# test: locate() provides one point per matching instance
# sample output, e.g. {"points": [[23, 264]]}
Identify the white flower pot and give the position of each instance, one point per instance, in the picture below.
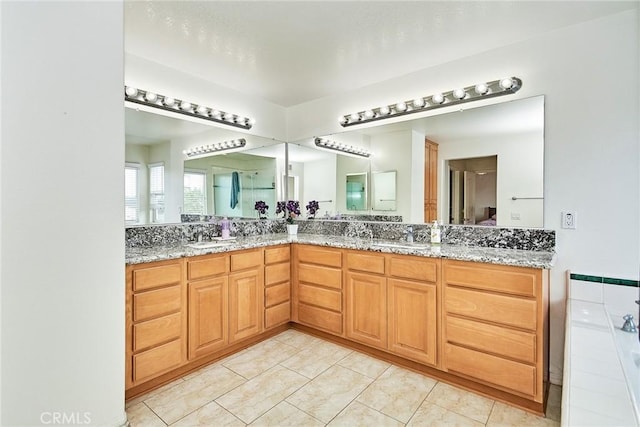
{"points": [[292, 228]]}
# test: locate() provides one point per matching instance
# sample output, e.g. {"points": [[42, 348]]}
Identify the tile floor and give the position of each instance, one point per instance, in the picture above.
{"points": [[294, 379]]}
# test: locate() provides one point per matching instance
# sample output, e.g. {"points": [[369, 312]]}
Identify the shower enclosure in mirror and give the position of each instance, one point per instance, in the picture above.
{"points": [[357, 192]]}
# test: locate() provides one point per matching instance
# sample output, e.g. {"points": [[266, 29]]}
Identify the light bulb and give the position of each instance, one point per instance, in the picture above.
{"points": [[481, 89], [228, 117], [438, 98], [418, 102], [131, 91], [169, 102], [401, 106], [459, 93], [354, 117], [151, 97], [251, 121], [202, 110], [185, 106], [506, 83], [216, 114], [368, 114], [384, 111]]}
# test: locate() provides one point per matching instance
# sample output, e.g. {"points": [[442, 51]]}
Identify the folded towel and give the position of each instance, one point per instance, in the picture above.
{"points": [[235, 189]]}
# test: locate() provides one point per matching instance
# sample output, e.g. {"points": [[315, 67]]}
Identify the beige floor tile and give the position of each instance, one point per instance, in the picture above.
{"points": [[329, 393], [503, 415], [209, 415], [461, 402], [296, 339], [140, 415], [260, 358], [358, 414], [261, 393], [145, 396], [366, 365], [397, 393], [286, 415], [316, 358], [184, 398], [429, 415]]}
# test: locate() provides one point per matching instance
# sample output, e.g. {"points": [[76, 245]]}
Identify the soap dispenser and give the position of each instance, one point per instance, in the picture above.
{"points": [[226, 228], [435, 233]]}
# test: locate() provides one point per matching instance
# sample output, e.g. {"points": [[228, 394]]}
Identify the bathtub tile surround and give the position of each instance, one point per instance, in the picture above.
{"points": [[352, 389], [601, 373], [485, 237]]}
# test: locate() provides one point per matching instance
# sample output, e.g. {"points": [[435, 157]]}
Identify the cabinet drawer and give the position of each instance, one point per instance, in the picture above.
{"points": [[277, 273], [365, 262], [279, 254], [206, 267], [246, 260], [425, 270], [492, 339], [319, 275], [277, 314], [321, 297], [153, 277], [156, 361], [154, 332], [510, 280], [156, 303], [320, 318], [490, 369], [320, 255], [277, 294], [508, 310]]}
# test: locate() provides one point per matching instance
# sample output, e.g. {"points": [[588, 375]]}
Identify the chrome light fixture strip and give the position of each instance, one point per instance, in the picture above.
{"points": [[506, 86], [186, 108], [343, 148], [214, 148]]}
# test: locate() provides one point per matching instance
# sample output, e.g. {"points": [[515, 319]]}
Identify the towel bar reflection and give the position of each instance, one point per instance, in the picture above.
{"points": [[526, 198]]}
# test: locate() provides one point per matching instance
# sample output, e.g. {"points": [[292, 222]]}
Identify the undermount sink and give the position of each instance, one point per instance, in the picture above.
{"points": [[206, 245], [402, 245]]}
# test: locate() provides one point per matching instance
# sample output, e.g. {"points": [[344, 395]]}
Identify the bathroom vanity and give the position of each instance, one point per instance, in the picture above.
{"points": [[475, 317]]}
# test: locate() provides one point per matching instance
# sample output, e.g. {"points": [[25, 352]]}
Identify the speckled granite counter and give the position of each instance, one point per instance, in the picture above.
{"points": [[515, 257]]}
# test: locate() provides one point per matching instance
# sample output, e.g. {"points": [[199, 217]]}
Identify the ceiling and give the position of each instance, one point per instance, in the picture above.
{"points": [[292, 52]]}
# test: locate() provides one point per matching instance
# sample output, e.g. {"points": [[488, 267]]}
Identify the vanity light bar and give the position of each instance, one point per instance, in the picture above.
{"points": [[506, 86], [338, 146], [214, 148], [174, 105]]}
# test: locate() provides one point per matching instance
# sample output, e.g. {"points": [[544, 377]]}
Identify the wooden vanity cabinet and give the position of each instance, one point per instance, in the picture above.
{"points": [[156, 324], [496, 325], [208, 308], [246, 294], [391, 303], [317, 287], [277, 285]]}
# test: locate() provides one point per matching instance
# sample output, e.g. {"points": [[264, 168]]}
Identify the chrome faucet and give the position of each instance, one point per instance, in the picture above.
{"points": [[629, 325], [409, 233]]}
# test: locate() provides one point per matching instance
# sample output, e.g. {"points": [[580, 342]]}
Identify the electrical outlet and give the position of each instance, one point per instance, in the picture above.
{"points": [[569, 220], [515, 216]]}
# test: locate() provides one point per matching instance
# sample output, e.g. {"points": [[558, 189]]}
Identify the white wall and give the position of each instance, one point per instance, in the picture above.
{"points": [[62, 217], [589, 76], [320, 185]]}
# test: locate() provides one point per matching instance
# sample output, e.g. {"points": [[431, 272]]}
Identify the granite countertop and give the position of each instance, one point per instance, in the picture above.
{"points": [[514, 257]]}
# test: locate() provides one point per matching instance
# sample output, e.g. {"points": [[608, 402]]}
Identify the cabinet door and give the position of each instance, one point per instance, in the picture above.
{"points": [[208, 313], [366, 313], [246, 304], [412, 320]]}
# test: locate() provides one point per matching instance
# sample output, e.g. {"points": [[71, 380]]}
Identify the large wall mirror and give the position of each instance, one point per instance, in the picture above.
{"points": [[486, 166], [162, 183]]}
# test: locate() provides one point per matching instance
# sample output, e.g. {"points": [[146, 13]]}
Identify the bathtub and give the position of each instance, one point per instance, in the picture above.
{"points": [[601, 378]]}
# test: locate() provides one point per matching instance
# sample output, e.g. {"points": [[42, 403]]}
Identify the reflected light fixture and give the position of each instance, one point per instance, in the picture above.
{"points": [[506, 86], [343, 148], [178, 106], [214, 148]]}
